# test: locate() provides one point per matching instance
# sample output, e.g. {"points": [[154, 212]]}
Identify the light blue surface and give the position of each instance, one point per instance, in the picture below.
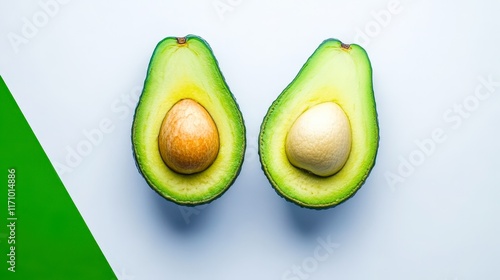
{"points": [[84, 62]]}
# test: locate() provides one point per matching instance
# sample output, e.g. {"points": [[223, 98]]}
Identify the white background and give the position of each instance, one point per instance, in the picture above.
{"points": [[83, 62]]}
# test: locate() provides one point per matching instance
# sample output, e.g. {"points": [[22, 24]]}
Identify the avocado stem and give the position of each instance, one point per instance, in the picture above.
{"points": [[345, 46], [181, 40]]}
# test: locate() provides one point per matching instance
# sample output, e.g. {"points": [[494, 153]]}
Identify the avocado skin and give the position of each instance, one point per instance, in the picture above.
{"points": [[239, 120], [275, 106]]}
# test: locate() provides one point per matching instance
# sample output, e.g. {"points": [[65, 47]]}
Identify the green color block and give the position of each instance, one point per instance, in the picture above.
{"points": [[51, 238]]}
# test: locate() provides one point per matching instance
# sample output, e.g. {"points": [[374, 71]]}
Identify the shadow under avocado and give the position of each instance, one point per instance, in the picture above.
{"points": [[312, 222], [182, 219]]}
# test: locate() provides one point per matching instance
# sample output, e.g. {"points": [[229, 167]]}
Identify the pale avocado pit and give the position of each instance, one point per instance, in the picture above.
{"points": [[188, 138], [319, 141]]}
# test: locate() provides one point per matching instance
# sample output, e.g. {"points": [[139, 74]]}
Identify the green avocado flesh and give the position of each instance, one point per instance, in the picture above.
{"points": [[185, 68], [335, 72]]}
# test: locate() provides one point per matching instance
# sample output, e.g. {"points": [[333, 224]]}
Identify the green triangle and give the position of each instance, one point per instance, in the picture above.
{"points": [[51, 238]]}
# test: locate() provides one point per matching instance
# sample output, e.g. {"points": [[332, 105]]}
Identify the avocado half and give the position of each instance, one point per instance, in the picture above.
{"points": [[338, 73], [185, 68]]}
